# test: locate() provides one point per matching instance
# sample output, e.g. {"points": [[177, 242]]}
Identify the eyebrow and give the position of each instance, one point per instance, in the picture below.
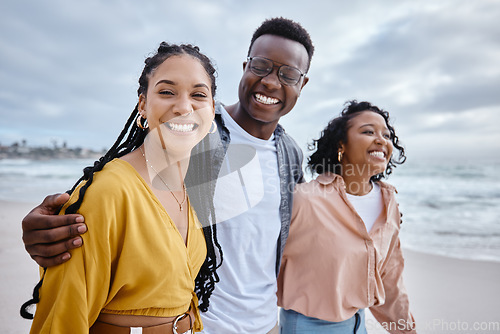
{"points": [[169, 82], [201, 85], [369, 124], [373, 125]]}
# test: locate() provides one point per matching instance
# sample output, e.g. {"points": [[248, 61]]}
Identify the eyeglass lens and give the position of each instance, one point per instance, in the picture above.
{"points": [[287, 75]]}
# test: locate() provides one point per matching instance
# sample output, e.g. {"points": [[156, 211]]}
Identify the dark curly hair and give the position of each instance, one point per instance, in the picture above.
{"points": [[130, 138], [286, 28], [325, 158]]}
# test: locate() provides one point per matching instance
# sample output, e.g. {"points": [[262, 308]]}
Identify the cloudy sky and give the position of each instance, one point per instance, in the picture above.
{"points": [[69, 69]]}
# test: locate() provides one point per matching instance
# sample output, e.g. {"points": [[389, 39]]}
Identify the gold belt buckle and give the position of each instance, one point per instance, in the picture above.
{"points": [[179, 318]]}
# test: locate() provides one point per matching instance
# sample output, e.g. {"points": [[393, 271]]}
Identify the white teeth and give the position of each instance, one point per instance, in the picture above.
{"points": [[378, 154], [266, 100], [181, 127]]}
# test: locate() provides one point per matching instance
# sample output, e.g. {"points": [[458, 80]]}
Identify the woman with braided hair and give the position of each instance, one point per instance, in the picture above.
{"points": [[145, 259]]}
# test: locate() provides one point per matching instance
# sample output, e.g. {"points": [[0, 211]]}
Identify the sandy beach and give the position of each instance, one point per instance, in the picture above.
{"points": [[450, 295], [446, 295], [19, 273]]}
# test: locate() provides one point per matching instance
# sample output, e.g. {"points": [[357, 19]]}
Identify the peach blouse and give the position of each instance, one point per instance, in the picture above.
{"points": [[332, 266]]}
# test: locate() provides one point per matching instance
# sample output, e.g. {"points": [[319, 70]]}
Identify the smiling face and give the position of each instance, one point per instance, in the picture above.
{"points": [[263, 100], [369, 146], [178, 104]]}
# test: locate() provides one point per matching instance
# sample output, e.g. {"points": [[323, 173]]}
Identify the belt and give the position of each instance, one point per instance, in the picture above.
{"points": [[179, 325]]}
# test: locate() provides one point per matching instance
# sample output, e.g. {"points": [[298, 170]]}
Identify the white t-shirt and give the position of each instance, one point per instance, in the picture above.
{"points": [[247, 199], [368, 206]]}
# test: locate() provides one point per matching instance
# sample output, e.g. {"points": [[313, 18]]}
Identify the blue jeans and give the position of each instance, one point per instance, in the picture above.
{"points": [[292, 322]]}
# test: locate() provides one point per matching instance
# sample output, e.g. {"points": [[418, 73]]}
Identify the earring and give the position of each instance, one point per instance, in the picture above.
{"points": [[139, 122], [339, 156], [214, 125]]}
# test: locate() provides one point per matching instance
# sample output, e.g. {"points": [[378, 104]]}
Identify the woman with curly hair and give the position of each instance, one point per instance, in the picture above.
{"points": [[146, 258], [343, 253]]}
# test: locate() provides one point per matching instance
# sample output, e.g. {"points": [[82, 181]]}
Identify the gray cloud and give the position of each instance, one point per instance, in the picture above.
{"points": [[434, 68], [69, 69]]}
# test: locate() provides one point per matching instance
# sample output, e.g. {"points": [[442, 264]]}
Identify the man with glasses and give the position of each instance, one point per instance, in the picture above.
{"points": [[252, 202]]}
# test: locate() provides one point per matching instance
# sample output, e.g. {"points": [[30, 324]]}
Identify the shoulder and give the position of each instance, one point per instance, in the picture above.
{"points": [[288, 140], [116, 174], [317, 197], [387, 188], [389, 192], [112, 183], [325, 185], [303, 198], [288, 145]]}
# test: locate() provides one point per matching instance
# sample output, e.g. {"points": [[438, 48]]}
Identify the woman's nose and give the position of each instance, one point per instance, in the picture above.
{"points": [[380, 139], [183, 107]]}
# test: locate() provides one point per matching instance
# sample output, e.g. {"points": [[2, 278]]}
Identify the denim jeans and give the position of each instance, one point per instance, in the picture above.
{"points": [[292, 322]]}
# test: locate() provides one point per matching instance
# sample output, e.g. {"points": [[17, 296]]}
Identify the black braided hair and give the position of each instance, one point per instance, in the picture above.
{"points": [[200, 183], [207, 277], [325, 158]]}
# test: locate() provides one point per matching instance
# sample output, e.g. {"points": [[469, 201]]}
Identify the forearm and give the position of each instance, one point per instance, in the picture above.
{"points": [[394, 315]]}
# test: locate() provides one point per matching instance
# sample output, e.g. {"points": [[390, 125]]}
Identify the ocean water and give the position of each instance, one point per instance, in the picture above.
{"points": [[449, 208], [31, 180]]}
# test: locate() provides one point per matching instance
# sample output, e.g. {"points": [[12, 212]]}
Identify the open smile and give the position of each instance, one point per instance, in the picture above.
{"points": [[266, 99], [182, 127], [378, 154]]}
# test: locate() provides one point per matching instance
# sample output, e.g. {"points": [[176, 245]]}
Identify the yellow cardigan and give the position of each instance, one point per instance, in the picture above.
{"points": [[133, 259]]}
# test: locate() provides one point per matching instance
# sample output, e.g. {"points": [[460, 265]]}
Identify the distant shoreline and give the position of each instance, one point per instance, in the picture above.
{"points": [[56, 157], [22, 151]]}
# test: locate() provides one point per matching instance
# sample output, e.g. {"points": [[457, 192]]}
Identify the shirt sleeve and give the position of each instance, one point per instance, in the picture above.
{"points": [[394, 315], [73, 294]]}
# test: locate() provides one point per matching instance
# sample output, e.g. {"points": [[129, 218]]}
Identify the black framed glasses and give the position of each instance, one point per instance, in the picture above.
{"points": [[262, 67]]}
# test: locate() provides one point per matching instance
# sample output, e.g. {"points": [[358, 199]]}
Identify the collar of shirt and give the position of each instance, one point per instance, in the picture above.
{"points": [[331, 178]]}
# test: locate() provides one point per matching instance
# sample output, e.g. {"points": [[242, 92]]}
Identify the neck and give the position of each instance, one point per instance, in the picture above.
{"points": [[357, 185], [162, 168], [257, 129]]}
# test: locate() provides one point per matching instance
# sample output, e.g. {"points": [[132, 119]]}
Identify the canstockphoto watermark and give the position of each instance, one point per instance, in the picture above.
{"points": [[400, 325], [453, 326], [436, 326]]}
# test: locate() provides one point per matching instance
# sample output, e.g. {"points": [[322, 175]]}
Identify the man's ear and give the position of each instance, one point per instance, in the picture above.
{"points": [[244, 65], [306, 80]]}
